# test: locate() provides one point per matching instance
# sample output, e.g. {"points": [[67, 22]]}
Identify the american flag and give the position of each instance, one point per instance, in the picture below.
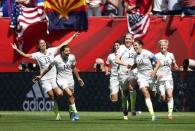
{"points": [[22, 17], [138, 24]]}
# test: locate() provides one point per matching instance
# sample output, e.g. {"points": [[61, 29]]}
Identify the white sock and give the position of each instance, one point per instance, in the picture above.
{"points": [[149, 105], [170, 105], [73, 108]]}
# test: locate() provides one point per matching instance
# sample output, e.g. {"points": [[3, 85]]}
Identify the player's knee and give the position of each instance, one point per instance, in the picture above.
{"points": [[114, 99]]}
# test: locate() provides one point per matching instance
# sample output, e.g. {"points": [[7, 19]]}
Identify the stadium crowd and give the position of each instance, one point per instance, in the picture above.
{"points": [[119, 7]]}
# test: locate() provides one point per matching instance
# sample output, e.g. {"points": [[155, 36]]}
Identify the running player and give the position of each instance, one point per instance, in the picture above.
{"points": [[146, 72], [65, 65], [125, 56], [44, 57], [112, 69], [164, 75]]}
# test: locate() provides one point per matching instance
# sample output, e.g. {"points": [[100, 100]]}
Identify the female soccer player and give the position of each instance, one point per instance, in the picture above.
{"points": [[65, 65], [112, 69], [44, 57], [164, 75], [146, 72], [125, 56]]}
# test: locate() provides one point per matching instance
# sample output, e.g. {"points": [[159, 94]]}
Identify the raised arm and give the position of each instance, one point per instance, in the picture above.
{"points": [[69, 40], [21, 52]]}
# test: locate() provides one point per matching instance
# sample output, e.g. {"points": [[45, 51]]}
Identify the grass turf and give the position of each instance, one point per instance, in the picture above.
{"points": [[95, 121]]}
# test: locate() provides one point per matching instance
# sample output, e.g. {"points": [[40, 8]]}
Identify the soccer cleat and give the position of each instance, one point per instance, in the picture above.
{"points": [[153, 118], [58, 117], [72, 114], [125, 117], [76, 116]]}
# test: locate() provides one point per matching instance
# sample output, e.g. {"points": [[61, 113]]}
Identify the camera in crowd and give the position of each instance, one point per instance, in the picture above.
{"points": [[189, 65]]}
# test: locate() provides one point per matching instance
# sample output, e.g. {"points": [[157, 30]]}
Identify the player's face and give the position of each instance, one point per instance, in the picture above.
{"points": [[137, 47], [163, 47], [66, 52], [116, 46], [128, 40], [42, 45]]}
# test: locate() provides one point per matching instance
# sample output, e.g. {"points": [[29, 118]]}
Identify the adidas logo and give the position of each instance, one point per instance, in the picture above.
{"points": [[36, 99]]}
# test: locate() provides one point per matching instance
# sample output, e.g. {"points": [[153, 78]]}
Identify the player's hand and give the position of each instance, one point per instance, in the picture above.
{"points": [[14, 46], [36, 79], [153, 73], [107, 73], [76, 34], [81, 83]]}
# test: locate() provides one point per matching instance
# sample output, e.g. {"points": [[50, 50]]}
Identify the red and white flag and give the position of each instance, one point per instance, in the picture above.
{"points": [[138, 24], [22, 17]]}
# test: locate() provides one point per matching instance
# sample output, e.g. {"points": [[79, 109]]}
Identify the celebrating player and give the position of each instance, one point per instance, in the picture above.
{"points": [[65, 65], [125, 56], [146, 73], [44, 57], [164, 75]]}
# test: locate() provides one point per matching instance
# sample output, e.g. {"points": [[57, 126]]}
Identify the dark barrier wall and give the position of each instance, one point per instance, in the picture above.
{"points": [[17, 92]]}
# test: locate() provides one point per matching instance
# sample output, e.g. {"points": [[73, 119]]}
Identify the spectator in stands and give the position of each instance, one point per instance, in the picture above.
{"points": [[99, 65], [1, 9], [110, 8], [188, 7], [174, 7], [93, 7], [44, 57], [160, 8]]}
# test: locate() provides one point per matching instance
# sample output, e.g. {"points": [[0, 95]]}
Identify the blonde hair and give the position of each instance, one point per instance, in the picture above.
{"points": [[163, 42]]}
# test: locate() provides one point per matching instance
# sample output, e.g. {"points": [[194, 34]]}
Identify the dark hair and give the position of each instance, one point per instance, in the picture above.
{"points": [[47, 44], [63, 47], [140, 42], [113, 48]]}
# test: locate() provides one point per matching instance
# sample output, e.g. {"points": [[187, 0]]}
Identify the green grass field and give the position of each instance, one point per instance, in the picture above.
{"points": [[95, 121]]}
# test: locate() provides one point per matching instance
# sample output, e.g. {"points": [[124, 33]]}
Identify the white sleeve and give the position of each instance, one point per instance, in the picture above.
{"points": [[53, 50], [120, 50], [173, 58], [73, 60], [34, 56]]}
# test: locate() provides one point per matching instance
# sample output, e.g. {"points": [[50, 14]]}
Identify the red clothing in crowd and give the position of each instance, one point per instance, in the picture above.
{"points": [[188, 3]]}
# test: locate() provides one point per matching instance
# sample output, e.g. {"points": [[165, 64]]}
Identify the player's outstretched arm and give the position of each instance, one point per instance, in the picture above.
{"points": [[21, 52], [69, 40]]}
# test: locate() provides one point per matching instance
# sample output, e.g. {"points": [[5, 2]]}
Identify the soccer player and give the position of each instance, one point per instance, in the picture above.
{"points": [[146, 72], [125, 56], [44, 57], [65, 65], [111, 68], [164, 75]]}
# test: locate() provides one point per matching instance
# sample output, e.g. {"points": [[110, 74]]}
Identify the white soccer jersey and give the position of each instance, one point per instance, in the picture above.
{"points": [[143, 60], [144, 67], [111, 61], [127, 56], [164, 72], [44, 61], [64, 68]]}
